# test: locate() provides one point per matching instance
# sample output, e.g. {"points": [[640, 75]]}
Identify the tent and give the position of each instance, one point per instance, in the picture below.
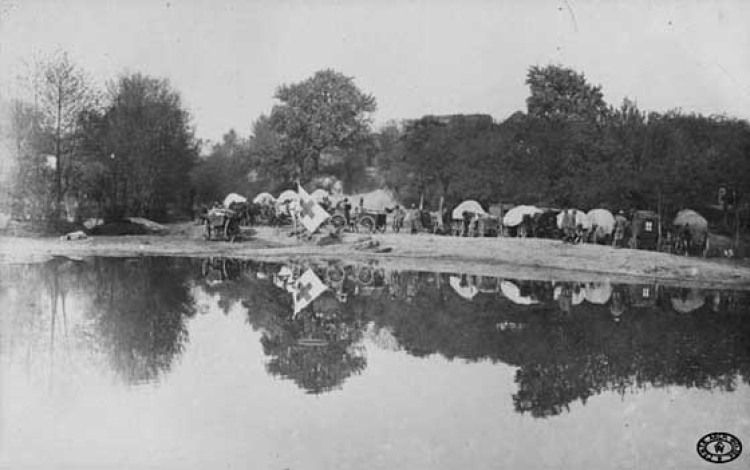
{"points": [[697, 223], [513, 293], [515, 216], [234, 198], [467, 206], [690, 217], [374, 200], [290, 197], [598, 292], [580, 216], [604, 221], [577, 297], [319, 194], [287, 195], [264, 198], [467, 291], [692, 300]]}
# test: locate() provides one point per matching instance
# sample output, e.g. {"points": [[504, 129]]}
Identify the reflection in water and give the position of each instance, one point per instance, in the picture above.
{"points": [[568, 341], [132, 311], [139, 310]]}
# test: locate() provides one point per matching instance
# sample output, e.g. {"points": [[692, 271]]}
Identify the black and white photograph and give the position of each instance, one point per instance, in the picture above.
{"points": [[374, 235]]}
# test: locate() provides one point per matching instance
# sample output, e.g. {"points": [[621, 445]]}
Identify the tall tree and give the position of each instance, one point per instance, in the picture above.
{"points": [[560, 92], [322, 112], [442, 151], [145, 142], [31, 176], [65, 92]]}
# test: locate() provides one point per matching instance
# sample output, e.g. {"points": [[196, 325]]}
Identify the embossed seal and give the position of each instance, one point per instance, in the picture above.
{"points": [[719, 447]]}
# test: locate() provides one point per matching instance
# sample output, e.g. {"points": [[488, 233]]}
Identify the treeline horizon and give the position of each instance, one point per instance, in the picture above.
{"points": [[131, 149]]}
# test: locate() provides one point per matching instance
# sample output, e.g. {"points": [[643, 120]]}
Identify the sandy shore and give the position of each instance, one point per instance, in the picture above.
{"points": [[501, 257]]}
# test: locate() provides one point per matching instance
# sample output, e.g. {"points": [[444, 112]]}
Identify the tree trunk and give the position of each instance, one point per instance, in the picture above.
{"points": [[58, 155]]}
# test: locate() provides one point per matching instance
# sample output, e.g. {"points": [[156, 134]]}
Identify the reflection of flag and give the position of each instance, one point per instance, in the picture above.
{"points": [[306, 289], [310, 213]]}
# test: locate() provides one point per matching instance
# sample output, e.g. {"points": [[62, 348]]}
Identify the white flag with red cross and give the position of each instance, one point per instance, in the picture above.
{"points": [[307, 288], [310, 213]]}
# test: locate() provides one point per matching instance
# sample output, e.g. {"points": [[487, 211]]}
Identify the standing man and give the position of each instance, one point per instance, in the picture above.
{"points": [[619, 232], [348, 212], [568, 226]]}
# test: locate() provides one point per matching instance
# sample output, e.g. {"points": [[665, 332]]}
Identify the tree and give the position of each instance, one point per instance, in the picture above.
{"points": [[565, 115], [560, 92], [224, 171], [270, 168], [444, 152], [31, 188], [64, 94], [145, 141], [322, 112]]}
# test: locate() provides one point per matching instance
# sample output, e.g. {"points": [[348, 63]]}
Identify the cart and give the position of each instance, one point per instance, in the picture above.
{"points": [[221, 224], [368, 221], [644, 231]]}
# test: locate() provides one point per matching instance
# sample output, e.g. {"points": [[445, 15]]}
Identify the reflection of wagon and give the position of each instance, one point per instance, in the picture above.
{"points": [[644, 231], [545, 224], [221, 224], [643, 295]]}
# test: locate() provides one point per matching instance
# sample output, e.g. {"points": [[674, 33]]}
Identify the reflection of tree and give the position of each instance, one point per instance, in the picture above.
{"points": [[318, 350], [139, 311], [569, 358]]}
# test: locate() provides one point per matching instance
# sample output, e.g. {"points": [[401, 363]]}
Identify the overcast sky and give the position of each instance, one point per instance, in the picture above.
{"points": [[416, 57]]}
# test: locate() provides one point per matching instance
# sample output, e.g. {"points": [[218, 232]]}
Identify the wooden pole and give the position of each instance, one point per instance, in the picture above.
{"points": [[736, 224], [658, 237], [440, 214]]}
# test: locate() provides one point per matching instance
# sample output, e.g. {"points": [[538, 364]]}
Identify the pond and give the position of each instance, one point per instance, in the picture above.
{"points": [[203, 363]]}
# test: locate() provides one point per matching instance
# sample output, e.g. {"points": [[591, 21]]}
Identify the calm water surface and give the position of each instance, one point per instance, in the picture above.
{"points": [[177, 363]]}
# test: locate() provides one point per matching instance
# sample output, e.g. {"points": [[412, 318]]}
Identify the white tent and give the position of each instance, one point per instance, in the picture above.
{"points": [[603, 219], [374, 200], [512, 292], [687, 303], [467, 292], [515, 216], [319, 195], [580, 217], [468, 206], [290, 197], [577, 297], [287, 195], [234, 197], [599, 292], [264, 198]]}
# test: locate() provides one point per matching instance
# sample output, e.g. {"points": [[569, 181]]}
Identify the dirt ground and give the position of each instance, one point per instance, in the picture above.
{"points": [[501, 257]]}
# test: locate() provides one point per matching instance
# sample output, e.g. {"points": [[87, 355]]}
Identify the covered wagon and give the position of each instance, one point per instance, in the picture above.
{"points": [[470, 219]]}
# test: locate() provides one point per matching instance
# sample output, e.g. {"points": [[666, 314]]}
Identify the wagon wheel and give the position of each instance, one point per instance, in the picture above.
{"points": [[338, 221], [335, 273], [365, 275], [367, 223], [207, 230]]}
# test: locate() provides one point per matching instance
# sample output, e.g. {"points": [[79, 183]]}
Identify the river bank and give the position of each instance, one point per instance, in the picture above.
{"points": [[501, 257]]}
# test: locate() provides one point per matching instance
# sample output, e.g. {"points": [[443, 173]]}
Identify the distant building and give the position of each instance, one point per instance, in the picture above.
{"points": [[450, 118]]}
